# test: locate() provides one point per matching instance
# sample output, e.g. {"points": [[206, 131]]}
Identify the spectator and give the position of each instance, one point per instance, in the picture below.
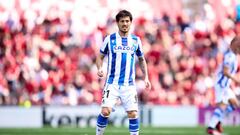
{"points": [[47, 55]]}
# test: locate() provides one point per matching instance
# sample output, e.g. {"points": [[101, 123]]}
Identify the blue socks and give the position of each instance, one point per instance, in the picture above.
{"points": [[134, 126], [217, 116], [229, 109], [101, 124], [102, 121], [218, 112]]}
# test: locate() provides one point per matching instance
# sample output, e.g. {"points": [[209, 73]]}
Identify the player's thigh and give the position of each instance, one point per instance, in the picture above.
{"points": [[232, 97], [110, 95], [221, 94], [129, 98]]}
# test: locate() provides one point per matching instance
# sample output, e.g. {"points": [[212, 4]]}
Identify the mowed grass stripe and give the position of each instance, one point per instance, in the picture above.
{"points": [[108, 132], [114, 131]]}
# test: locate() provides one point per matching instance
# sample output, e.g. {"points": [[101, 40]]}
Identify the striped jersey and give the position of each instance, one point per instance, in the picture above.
{"points": [[121, 58], [230, 61]]}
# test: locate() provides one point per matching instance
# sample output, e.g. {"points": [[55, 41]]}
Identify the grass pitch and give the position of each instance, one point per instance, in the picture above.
{"points": [[114, 131]]}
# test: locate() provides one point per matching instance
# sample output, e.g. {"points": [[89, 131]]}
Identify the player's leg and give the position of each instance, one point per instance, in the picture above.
{"points": [[218, 113], [233, 102], [217, 117], [102, 120], [130, 103], [133, 122], [109, 99], [228, 104]]}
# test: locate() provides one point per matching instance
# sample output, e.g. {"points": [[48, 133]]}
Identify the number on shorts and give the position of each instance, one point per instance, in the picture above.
{"points": [[106, 92]]}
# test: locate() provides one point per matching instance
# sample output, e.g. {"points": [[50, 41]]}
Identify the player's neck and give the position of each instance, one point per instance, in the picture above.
{"points": [[123, 34]]}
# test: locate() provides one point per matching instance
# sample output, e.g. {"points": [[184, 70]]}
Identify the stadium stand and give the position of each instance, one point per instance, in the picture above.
{"points": [[48, 50]]}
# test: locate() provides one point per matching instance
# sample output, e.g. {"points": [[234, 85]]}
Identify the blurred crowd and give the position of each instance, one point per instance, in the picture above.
{"points": [[47, 54]]}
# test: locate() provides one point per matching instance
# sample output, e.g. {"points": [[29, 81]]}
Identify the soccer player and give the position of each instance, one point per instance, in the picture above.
{"points": [[225, 98], [121, 47]]}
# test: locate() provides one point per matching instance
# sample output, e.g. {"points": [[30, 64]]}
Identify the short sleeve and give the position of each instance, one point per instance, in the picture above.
{"points": [[228, 60], [104, 47], [139, 51]]}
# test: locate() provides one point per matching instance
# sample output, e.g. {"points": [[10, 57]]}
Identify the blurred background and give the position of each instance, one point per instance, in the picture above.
{"points": [[48, 49]]}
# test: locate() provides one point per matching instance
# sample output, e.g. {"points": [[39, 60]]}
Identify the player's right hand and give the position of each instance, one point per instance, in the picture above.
{"points": [[100, 72]]}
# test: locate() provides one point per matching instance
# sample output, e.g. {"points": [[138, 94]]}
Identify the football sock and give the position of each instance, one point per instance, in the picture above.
{"points": [[217, 116], [134, 126], [102, 122], [229, 109]]}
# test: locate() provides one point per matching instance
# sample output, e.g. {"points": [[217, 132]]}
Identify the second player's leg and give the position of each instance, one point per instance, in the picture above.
{"points": [[234, 102]]}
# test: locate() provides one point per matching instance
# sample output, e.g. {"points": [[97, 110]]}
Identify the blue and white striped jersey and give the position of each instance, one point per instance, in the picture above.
{"points": [[121, 58], [230, 61]]}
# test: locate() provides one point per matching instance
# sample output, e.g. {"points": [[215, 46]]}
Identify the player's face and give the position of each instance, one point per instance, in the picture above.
{"points": [[236, 48], [124, 24]]}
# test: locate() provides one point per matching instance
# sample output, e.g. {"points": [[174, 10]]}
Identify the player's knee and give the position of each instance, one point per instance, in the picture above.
{"points": [[222, 105], [234, 103], [132, 114], [105, 112]]}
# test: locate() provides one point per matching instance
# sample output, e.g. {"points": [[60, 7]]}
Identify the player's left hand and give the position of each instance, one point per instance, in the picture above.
{"points": [[147, 83]]}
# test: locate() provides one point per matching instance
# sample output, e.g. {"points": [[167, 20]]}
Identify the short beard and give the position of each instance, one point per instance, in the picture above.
{"points": [[124, 32]]}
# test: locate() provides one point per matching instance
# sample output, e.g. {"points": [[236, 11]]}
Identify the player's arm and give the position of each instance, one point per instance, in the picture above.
{"points": [[100, 57], [99, 63], [143, 66], [226, 73]]}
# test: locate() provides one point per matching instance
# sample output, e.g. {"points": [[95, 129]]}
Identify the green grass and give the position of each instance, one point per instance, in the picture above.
{"points": [[113, 131]]}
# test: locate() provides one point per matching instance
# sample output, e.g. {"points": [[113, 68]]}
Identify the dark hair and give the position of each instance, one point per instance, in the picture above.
{"points": [[123, 13], [235, 40]]}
